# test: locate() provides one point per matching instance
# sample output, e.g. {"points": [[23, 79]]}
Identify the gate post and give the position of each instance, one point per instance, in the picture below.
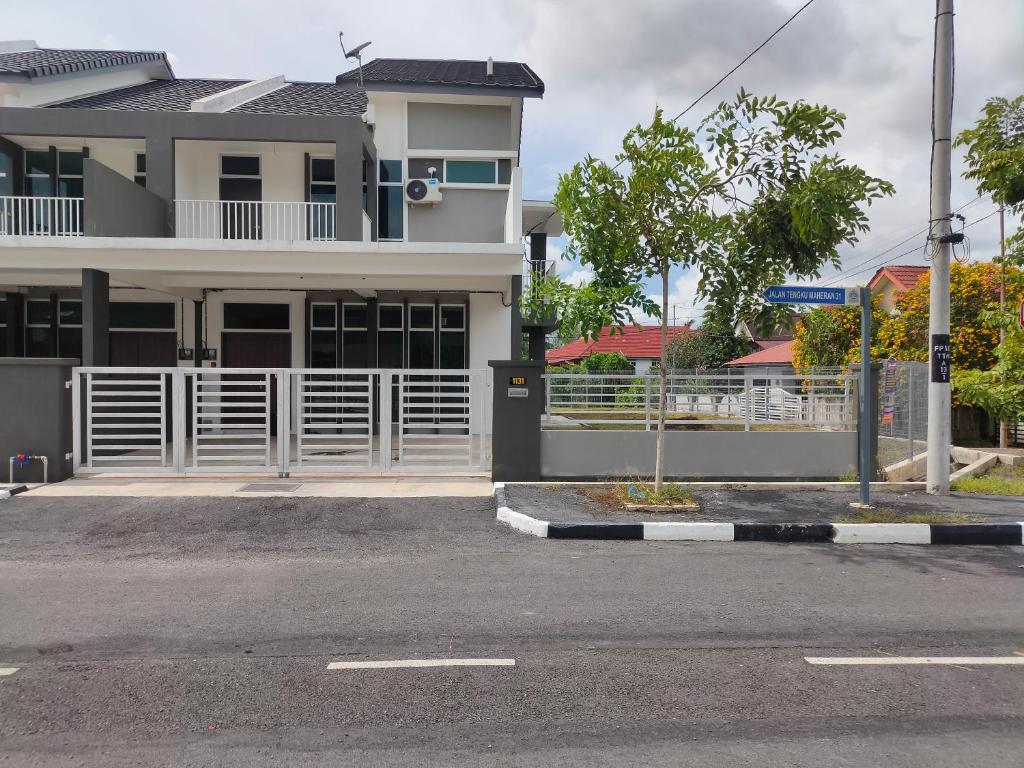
{"points": [[518, 403]]}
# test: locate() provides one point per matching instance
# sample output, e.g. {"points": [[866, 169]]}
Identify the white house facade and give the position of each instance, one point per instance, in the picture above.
{"points": [[150, 220]]}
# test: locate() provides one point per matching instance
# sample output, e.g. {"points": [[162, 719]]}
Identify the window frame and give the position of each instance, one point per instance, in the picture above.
{"points": [[220, 166], [140, 174], [400, 184]]}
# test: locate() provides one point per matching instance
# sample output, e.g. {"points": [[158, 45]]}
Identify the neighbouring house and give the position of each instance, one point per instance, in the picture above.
{"points": [[640, 345], [780, 334], [890, 281], [770, 364]]}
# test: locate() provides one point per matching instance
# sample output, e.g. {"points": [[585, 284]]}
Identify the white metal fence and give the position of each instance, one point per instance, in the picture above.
{"points": [[278, 420], [41, 216], [822, 399], [254, 220]]}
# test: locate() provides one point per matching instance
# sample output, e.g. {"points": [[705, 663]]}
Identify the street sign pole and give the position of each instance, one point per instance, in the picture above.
{"points": [[864, 420], [803, 294]]}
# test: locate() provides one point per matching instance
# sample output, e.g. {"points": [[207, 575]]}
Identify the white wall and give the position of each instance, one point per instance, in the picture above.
{"points": [[296, 300], [197, 167], [34, 94], [490, 333], [118, 154]]}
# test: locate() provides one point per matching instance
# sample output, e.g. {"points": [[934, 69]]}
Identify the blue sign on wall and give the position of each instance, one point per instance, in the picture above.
{"points": [[806, 294]]}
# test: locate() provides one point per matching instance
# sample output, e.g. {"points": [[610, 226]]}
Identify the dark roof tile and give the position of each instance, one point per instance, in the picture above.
{"points": [[154, 96], [447, 72], [41, 62], [307, 99]]}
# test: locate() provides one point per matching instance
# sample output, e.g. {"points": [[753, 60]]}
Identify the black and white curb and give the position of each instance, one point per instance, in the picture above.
{"points": [[816, 533], [14, 490]]}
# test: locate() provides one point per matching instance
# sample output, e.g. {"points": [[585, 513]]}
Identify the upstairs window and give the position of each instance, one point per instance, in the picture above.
{"points": [[140, 168], [390, 201], [471, 172]]}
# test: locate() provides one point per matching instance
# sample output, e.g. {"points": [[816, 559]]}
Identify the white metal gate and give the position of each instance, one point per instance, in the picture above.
{"points": [[284, 420]]}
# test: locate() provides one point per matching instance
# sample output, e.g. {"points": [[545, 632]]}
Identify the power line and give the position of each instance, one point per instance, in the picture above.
{"points": [[847, 272], [720, 80], [915, 249], [745, 59]]}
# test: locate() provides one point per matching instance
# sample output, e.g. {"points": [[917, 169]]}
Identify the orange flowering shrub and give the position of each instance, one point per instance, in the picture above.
{"points": [[973, 289]]}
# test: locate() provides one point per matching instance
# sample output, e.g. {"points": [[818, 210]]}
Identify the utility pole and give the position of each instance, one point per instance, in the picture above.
{"points": [[939, 246]]}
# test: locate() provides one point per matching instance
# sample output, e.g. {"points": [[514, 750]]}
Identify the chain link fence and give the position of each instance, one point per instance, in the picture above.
{"points": [[902, 411]]}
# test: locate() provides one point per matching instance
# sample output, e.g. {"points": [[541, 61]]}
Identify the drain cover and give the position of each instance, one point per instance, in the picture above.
{"points": [[270, 487]]}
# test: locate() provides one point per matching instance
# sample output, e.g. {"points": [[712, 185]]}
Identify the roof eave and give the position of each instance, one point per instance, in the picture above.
{"points": [[438, 88]]}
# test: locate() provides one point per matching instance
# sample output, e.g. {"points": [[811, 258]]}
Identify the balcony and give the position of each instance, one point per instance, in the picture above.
{"points": [[255, 220], [41, 216]]}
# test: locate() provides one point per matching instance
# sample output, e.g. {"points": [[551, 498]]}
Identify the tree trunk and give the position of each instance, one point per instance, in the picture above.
{"points": [[659, 465]]}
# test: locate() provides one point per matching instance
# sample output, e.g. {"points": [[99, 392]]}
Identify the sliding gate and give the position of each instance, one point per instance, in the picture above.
{"points": [[283, 420]]}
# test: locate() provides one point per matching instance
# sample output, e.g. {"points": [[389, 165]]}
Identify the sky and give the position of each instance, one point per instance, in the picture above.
{"points": [[606, 64]]}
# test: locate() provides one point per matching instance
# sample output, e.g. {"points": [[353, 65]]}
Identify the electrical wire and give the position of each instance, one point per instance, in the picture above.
{"points": [[720, 80]]}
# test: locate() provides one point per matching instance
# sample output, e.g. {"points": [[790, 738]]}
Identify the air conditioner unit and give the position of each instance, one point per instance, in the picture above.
{"points": [[422, 192]]}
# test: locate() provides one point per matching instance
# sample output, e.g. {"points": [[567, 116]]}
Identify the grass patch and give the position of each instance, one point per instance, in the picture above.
{"points": [[643, 493], [890, 515], [1001, 480]]}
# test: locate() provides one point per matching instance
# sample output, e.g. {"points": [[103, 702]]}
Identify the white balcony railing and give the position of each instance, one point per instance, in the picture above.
{"points": [[535, 270], [42, 216], [259, 220]]}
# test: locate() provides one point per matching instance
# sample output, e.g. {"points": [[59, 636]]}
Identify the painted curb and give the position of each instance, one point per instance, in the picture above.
{"points": [[999, 534], [14, 490]]}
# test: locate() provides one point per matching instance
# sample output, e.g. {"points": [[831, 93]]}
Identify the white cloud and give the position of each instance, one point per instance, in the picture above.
{"points": [[579, 277]]}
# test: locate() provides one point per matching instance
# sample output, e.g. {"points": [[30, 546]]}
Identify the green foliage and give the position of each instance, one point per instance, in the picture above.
{"points": [[1000, 390], [995, 152], [829, 337], [764, 202], [606, 362], [756, 199], [711, 346]]}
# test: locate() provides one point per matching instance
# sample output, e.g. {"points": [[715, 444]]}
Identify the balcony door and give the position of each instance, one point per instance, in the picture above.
{"points": [[241, 190]]}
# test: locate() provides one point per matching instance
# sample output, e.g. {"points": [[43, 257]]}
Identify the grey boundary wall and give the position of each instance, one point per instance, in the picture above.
{"points": [[992, 534], [35, 417], [706, 454]]}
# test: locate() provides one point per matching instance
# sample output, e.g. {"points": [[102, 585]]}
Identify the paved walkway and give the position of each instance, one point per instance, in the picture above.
{"points": [[255, 486]]}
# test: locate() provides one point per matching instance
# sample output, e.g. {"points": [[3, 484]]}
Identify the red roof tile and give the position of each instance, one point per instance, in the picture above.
{"points": [[903, 276], [778, 354], [643, 343]]}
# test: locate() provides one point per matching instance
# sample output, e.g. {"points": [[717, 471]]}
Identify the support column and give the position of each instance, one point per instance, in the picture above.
{"points": [[95, 317], [160, 173], [516, 292], [348, 181], [15, 329]]}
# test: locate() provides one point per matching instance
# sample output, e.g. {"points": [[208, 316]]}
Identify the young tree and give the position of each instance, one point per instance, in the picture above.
{"points": [[995, 161], [765, 200], [710, 346]]}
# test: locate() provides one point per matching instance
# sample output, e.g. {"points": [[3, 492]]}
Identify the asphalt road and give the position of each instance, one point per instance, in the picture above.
{"points": [[197, 632]]}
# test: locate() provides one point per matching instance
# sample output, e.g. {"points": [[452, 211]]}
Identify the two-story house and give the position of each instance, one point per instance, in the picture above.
{"points": [[151, 220]]}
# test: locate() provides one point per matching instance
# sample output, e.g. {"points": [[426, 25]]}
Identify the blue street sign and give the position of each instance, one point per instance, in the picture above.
{"points": [[808, 294]]}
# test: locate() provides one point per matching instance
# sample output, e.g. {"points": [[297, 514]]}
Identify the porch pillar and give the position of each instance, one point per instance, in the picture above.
{"points": [[15, 330], [348, 180], [95, 317], [160, 173], [516, 292]]}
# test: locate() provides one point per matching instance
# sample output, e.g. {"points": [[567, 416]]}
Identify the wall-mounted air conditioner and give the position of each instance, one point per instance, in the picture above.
{"points": [[422, 192]]}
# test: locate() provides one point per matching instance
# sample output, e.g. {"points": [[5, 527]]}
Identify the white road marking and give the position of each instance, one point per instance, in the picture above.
{"points": [[8, 670], [892, 660], [411, 663]]}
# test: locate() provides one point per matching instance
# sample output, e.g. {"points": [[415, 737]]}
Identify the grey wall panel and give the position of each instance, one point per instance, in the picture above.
{"points": [[462, 216], [37, 419], [118, 207], [711, 455], [459, 126]]}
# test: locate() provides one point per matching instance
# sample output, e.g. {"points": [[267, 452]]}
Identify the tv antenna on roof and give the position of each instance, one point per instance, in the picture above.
{"points": [[356, 53]]}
